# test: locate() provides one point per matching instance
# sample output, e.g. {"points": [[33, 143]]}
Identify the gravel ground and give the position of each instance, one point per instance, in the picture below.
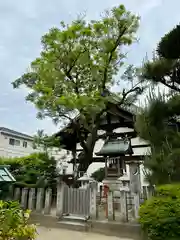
{"points": [[59, 234]]}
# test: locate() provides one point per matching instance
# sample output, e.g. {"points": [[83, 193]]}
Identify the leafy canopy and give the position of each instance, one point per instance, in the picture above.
{"points": [[37, 169], [165, 66], [78, 65]]}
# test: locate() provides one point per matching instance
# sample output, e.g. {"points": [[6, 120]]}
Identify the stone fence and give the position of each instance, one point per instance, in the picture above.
{"points": [[81, 202]]}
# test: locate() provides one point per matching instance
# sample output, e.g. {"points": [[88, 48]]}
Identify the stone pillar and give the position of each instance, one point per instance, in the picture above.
{"points": [[32, 198], [40, 200], [93, 193], [136, 205], [60, 198], [48, 201], [110, 206], [17, 193], [135, 181], [24, 198], [123, 203], [135, 185]]}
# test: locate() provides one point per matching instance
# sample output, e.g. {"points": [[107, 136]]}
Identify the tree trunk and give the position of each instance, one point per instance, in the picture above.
{"points": [[86, 157]]}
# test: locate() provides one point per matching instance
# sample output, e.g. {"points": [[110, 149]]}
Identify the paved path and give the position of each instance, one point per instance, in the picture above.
{"points": [[59, 234]]}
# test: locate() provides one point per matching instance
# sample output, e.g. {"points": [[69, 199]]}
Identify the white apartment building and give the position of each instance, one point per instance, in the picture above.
{"points": [[17, 144]]}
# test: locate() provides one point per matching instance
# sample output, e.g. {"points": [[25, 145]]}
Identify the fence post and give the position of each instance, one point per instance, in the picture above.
{"points": [[60, 198], [110, 206], [48, 199], [17, 193], [123, 202], [40, 200], [31, 201], [24, 198], [93, 207]]}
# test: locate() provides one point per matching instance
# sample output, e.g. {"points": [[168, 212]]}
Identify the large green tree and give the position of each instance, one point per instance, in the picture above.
{"points": [[159, 121], [35, 170], [76, 70]]}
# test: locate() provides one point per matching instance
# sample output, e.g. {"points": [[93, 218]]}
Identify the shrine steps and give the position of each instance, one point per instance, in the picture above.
{"points": [[74, 222]]}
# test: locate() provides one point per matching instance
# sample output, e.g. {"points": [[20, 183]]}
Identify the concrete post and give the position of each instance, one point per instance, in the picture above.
{"points": [[123, 202], [24, 198], [17, 193], [40, 200], [60, 198], [136, 205], [110, 206], [31, 201], [48, 200], [93, 193]]}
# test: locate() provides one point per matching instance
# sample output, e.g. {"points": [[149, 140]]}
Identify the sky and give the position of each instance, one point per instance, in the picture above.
{"points": [[22, 23]]}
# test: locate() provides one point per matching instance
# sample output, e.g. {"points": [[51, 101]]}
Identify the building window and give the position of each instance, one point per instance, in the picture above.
{"points": [[25, 144], [14, 142]]}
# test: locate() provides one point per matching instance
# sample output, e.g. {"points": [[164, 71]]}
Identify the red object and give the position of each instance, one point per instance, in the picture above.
{"points": [[106, 190]]}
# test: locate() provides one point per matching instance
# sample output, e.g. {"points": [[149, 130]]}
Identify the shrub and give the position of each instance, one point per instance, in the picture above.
{"points": [[160, 215], [35, 170], [171, 190], [14, 222]]}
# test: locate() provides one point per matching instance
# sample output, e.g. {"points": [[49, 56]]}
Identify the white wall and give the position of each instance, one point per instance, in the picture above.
{"points": [[7, 150]]}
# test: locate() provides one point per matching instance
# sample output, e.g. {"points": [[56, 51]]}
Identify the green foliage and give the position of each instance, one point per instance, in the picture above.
{"points": [[76, 70], [164, 67], [14, 222], [46, 142], [99, 175], [168, 190], [77, 63], [169, 46], [157, 124], [35, 170], [160, 215]]}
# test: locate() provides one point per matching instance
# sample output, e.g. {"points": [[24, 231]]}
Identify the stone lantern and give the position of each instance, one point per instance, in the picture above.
{"points": [[85, 180]]}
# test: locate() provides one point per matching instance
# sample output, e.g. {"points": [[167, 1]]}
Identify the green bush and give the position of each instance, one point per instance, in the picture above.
{"points": [[35, 170], [171, 190], [160, 215], [14, 222]]}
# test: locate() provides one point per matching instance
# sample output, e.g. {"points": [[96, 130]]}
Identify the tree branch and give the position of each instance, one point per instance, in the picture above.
{"points": [[110, 58], [173, 87], [67, 72]]}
